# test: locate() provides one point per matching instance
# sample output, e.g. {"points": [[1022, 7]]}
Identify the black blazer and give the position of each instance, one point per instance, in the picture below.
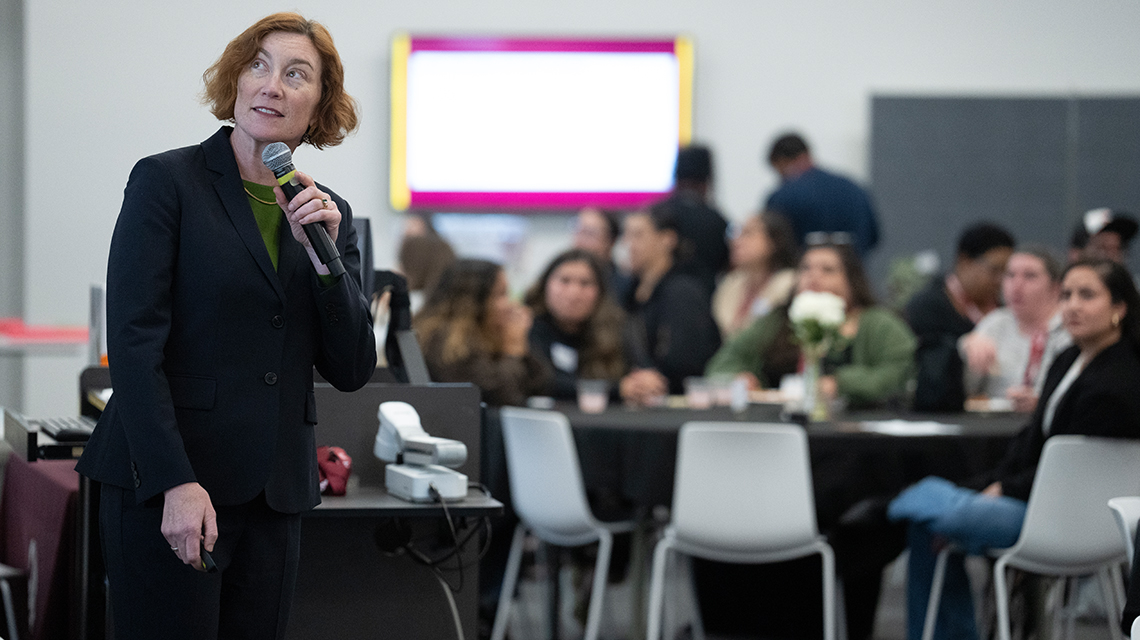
{"points": [[211, 351], [1103, 401]]}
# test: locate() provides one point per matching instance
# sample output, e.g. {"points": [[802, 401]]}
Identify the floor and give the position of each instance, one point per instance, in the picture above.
{"points": [[528, 621]]}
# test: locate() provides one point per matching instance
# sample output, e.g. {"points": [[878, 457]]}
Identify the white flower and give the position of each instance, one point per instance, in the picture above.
{"points": [[825, 308]]}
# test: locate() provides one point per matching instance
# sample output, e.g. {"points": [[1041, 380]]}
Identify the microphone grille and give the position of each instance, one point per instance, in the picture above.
{"points": [[276, 156]]}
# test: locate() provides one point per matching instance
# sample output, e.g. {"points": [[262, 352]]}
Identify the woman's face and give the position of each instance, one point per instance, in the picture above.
{"points": [[821, 270], [572, 293], [278, 93], [499, 305], [646, 244], [592, 234], [751, 247], [1087, 308], [1026, 286]]}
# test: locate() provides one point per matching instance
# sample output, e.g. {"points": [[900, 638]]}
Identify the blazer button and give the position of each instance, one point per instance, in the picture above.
{"points": [[330, 307], [271, 378], [278, 322]]}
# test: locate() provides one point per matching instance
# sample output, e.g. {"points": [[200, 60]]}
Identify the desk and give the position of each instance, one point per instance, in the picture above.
{"points": [[347, 588]]}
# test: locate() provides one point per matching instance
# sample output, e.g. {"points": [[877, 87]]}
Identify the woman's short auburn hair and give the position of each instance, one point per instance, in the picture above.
{"points": [[336, 111]]}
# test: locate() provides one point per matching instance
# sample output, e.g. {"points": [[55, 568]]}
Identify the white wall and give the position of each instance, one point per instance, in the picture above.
{"points": [[107, 83]]}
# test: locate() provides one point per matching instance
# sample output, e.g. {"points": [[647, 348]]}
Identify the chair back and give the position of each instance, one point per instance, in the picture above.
{"points": [[743, 487], [1126, 509], [545, 478], [1066, 525]]}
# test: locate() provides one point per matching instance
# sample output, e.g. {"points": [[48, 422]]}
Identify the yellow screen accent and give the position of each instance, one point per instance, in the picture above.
{"points": [[684, 50], [400, 195]]}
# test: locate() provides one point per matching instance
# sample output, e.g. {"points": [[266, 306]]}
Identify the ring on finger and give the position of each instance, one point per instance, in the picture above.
{"points": [[324, 203], [174, 548]]}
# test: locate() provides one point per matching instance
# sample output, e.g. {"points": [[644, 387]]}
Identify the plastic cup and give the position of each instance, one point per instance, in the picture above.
{"points": [[593, 395], [698, 394]]}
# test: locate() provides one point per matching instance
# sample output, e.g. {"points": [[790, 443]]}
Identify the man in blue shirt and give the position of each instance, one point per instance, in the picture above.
{"points": [[815, 200]]}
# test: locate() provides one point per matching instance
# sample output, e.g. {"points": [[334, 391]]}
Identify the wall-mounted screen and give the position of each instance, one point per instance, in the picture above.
{"points": [[536, 124]]}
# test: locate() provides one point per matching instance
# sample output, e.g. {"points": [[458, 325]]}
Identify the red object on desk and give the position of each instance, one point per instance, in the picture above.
{"points": [[14, 330], [37, 521]]}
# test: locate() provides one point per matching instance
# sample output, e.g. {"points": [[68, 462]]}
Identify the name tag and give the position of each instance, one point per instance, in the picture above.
{"points": [[565, 358]]}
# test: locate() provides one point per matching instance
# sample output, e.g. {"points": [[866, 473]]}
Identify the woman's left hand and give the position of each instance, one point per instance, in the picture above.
{"points": [[311, 205]]}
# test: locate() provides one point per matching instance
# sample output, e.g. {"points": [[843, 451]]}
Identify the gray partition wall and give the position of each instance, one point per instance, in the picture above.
{"points": [[1033, 165]]}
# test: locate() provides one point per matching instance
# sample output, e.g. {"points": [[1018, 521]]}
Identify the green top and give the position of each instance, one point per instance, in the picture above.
{"points": [[268, 216], [882, 355]]}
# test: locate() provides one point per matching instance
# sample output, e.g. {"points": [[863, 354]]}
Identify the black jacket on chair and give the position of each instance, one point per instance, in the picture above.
{"points": [[211, 351]]}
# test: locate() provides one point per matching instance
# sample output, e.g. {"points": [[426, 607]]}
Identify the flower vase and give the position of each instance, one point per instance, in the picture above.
{"points": [[814, 405]]}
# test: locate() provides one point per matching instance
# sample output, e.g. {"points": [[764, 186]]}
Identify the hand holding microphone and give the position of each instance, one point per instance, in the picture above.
{"points": [[314, 211]]}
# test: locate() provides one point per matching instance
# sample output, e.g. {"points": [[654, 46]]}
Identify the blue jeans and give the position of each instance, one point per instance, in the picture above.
{"points": [[941, 512]]}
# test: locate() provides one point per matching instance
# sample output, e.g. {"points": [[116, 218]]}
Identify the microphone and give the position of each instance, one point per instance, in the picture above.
{"points": [[278, 159]]}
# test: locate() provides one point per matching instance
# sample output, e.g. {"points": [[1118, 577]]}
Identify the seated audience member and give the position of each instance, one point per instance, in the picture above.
{"points": [[1103, 233], [422, 260], [763, 273], [1089, 390], [597, 231], [698, 222], [471, 331], [1010, 350], [868, 368], [949, 307], [580, 332], [669, 310]]}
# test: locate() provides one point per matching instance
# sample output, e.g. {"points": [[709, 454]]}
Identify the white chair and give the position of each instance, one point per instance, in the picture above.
{"points": [[743, 494], [1067, 531], [1126, 509], [548, 495]]}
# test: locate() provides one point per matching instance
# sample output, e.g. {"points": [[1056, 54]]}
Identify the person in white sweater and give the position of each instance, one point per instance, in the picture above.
{"points": [[1011, 348]]}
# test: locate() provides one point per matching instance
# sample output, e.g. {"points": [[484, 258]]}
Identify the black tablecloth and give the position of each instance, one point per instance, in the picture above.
{"points": [[628, 458], [630, 454]]}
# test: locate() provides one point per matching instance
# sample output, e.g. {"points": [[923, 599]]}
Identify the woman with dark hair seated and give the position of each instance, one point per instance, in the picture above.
{"points": [[580, 332], [471, 331], [868, 368], [1089, 390], [763, 254], [669, 309]]}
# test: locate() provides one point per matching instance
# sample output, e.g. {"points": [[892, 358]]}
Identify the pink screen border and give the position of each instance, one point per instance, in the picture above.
{"points": [[534, 201]]}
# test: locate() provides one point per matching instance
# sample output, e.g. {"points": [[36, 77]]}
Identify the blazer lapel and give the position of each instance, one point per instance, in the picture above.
{"points": [[289, 253], [220, 158]]}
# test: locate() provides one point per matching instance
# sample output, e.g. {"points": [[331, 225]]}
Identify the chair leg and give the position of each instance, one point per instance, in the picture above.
{"points": [[935, 599], [1111, 605], [1001, 599], [598, 590], [828, 592], [9, 609], [689, 580], [510, 577], [1118, 587], [657, 589]]}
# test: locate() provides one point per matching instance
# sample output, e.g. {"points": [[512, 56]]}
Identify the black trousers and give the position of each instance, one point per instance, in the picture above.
{"points": [[154, 595]]}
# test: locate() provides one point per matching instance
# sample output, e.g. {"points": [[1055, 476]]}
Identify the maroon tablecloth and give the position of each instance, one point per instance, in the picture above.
{"points": [[37, 514]]}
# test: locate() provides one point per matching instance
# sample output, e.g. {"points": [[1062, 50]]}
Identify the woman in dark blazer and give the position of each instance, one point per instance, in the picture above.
{"points": [[1090, 390], [217, 312]]}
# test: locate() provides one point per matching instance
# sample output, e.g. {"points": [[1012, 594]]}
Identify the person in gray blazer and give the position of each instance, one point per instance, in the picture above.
{"points": [[218, 310]]}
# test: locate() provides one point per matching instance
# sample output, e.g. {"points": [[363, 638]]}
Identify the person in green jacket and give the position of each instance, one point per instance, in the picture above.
{"points": [[868, 368]]}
